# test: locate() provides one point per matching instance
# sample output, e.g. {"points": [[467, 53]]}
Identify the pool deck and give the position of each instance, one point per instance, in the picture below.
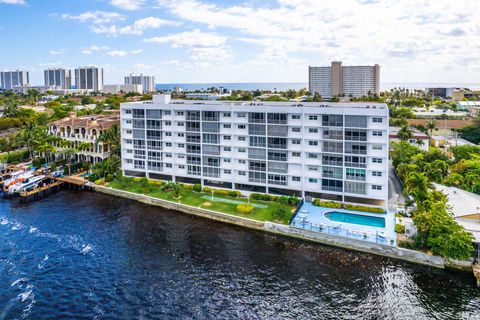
{"points": [[313, 218]]}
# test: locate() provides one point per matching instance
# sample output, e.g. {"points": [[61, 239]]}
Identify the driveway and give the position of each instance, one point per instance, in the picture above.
{"points": [[395, 189]]}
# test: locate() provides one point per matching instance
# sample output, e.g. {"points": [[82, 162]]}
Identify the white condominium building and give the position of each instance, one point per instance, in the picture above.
{"points": [[58, 77], [147, 82], [11, 79], [338, 80], [336, 151], [89, 78]]}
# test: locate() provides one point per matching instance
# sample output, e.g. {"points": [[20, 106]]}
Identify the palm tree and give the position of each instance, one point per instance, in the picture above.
{"points": [[176, 189], [405, 133], [29, 136], [419, 142], [68, 153], [46, 149], [417, 185], [112, 137], [431, 125]]}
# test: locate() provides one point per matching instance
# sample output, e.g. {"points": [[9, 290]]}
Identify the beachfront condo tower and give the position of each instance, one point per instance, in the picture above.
{"points": [[147, 82], [11, 79], [58, 77], [348, 81], [89, 78], [336, 151]]}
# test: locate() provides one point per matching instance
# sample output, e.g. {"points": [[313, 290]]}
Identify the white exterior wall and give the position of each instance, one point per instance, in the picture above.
{"points": [[304, 159], [320, 81], [147, 82], [358, 80], [10, 79]]}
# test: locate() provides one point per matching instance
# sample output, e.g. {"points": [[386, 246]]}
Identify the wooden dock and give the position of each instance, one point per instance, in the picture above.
{"points": [[40, 191]]}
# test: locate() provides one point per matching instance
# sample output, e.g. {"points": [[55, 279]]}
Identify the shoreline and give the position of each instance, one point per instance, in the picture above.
{"points": [[407, 255]]}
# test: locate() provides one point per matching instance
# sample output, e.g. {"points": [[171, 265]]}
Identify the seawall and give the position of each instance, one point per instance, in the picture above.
{"points": [[287, 231]]}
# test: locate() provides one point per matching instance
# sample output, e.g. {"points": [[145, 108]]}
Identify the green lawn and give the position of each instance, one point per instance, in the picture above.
{"points": [[191, 198]]}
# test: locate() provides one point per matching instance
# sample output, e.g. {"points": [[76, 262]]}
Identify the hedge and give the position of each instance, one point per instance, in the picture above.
{"points": [[339, 205], [246, 208], [222, 193], [287, 200]]}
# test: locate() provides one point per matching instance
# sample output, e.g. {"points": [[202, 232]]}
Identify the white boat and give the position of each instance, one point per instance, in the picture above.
{"points": [[17, 177], [27, 184]]}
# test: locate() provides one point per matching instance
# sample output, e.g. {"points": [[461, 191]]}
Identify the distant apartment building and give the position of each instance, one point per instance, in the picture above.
{"points": [[147, 82], [11, 79], [338, 80], [89, 78], [125, 88], [85, 129], [40, 89], [58, 77], [336, 151]]}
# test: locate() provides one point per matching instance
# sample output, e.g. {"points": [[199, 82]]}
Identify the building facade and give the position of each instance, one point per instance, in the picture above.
{"points": [[85, 129], [335, 151], [11, 79], [147, 82], [58, 77], [89, 78], [338, 80], [125, 88]]}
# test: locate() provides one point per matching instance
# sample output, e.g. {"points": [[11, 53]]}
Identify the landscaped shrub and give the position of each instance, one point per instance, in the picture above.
{"points": [[234, 193], [293, 201], [245, 208], [100, 181], [221, 193], [283, 200], [207, 190], [256, 196], [364, 208], [281, 214], [399, 228], [327, 204], [38, 162], [14, 157], [197, 187], [109, 178], [266, 197]]}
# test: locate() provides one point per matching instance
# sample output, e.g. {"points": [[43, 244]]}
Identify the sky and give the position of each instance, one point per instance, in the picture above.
{"points": [[203, 41]]}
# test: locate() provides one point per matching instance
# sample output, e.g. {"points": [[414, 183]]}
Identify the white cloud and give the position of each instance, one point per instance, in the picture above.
{"points": [[190, 39], [400, 35], [16, 2], [127, 4], [57, 52], [123, 53], [199, 45], [95, 17], [137, 28], [93, 48]]}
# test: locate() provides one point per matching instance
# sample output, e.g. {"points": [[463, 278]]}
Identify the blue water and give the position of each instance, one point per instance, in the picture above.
{"points": [[89, 256], [283, 86], [356, 219]]}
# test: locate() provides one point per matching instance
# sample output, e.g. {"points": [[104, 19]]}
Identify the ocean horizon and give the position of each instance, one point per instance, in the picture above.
{"points": [[282, 86]]}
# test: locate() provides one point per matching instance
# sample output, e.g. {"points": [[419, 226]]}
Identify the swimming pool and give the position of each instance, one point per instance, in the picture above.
{"points": [[356, 219]]}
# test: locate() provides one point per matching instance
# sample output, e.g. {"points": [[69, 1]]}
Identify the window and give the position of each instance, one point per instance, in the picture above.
{"points": [[227, 160], [168, 134], [227, 171], [181, 166], [129, 151], [181, 156], [313, 118], [377, 160], [227, 149], [128, 111], [377, 133], [181, 145], [227, 137], [168, 155], [241, 173], [180, 134], [313, 130], [376, 187], [313, 143], [168, 165], [296, 141], [242, 150], [296, 154], [376, 173], [227, 125], [312, 180], [242, 138], [377, 147], [168, 144], [181, 124], [128, 141], [128, 121], [167, 112], [241, 115], [295, 116], [227, 114], [168, 123], [377, 120], [312, 156], [312, 168], [129, 131], [242, 161], [296, 129], [180, 113], [297, 179], [128, 160], [241, 126]]}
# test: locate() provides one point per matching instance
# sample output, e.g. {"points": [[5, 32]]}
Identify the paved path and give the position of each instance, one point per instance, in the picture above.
{"points": [[395, 189]]}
